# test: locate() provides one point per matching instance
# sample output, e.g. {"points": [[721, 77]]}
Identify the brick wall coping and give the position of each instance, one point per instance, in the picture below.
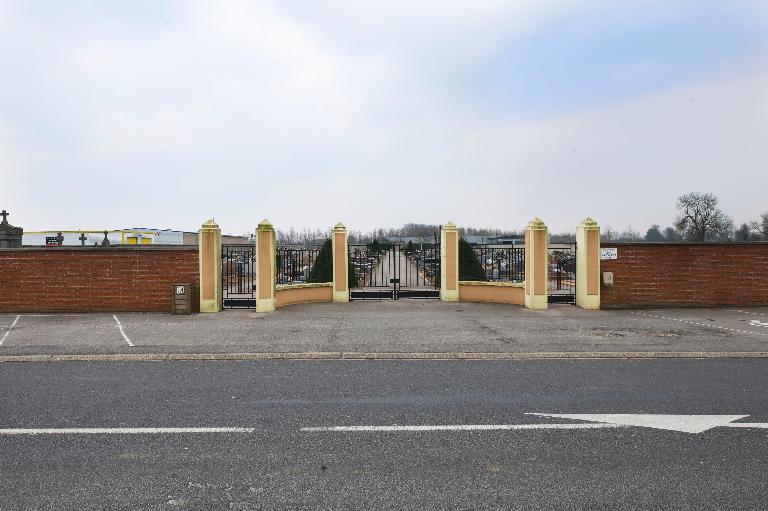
{"points": [[122, 248], [306, 285], [490, 283]]}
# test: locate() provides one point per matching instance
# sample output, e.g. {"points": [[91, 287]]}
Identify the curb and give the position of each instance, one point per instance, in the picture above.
{"points": [[336, 355]]}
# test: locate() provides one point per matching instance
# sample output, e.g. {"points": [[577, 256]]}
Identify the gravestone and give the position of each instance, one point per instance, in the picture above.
{"points": [[105, 241], [10, 236], [83, 238]]}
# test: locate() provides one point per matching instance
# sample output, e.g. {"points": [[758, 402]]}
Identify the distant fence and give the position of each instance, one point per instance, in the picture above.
{"points": [[293, 265], [502, 263]]}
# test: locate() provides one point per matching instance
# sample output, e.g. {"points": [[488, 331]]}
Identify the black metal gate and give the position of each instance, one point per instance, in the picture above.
{"points": [[561, 273], [238, 277], [397, 270]]}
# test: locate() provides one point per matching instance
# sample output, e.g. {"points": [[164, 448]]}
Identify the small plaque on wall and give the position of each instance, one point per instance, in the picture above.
{"points": [[609, 253]]}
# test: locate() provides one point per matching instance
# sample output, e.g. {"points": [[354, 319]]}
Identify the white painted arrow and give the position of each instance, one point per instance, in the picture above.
{"points": [[684, 423]]}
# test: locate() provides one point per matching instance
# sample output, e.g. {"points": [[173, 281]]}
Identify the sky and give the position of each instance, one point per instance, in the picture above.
{"points": [[164, 114]]}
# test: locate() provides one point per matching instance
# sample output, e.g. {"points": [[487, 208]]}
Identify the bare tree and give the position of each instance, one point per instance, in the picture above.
{"points": [[743, 233], [671, 235], [608, 234], [629, 234], [700, 218], [761, 226]]}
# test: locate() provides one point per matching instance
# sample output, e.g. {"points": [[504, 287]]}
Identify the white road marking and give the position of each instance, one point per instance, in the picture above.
{"points": [[701, 324], [683, 423], [119, 431], [757, 322], [457, 427], [749, 312], [122, 331], [9, 330]]}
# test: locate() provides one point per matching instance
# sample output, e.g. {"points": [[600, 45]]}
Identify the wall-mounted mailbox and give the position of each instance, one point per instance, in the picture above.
{"points": [[608, 278], [184, 299]]}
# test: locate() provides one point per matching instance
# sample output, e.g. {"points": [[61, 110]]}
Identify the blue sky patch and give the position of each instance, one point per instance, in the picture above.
{"points": [[601, 54]]}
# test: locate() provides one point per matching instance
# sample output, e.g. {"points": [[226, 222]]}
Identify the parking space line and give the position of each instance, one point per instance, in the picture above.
{"points": [[9, 329], [701, 324], [120, 326]]}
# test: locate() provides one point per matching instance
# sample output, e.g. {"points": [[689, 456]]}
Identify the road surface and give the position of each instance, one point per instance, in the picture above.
{"points": [[276, 437]]}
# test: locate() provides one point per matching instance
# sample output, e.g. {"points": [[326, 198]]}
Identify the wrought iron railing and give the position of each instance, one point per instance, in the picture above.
{"points": [[561, 270], [237, 275], [502, 263], [293, 265]]}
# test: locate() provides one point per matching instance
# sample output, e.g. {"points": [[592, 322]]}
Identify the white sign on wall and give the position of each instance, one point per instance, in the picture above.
{"points": [[609, 253]]}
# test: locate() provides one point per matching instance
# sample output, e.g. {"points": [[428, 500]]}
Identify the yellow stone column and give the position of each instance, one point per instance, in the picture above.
{"points": [[536, 264], [265, 267], [588, 264], [449, 263], [340, 253], [209, 255]]}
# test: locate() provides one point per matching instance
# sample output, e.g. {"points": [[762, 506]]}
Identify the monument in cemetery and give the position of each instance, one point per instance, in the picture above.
{"points": [[10, 236]]}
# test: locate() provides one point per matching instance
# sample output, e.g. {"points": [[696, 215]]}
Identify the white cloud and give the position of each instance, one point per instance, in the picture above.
{"points": [[302, 99]]}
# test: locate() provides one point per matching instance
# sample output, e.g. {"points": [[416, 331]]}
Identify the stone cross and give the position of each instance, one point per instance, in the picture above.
{"points": [[105, 243], [5, 214], [83, 238], [59, 238]]}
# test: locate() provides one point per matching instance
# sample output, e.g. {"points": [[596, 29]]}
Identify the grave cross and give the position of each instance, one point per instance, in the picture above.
{"points": [[83, 238], [105, 242], [4, 213]]}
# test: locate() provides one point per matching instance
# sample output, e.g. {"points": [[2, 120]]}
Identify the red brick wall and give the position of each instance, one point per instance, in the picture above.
{"points": [[93, 279], [687, 275]]}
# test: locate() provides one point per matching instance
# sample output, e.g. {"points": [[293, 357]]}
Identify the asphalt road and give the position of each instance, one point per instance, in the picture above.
{"points": [[276, 465]]}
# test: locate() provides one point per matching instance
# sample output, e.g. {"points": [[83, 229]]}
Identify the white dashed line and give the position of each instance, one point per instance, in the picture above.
{"points": [[701, 324], [9, 330], [119, 431], [122, 331]]}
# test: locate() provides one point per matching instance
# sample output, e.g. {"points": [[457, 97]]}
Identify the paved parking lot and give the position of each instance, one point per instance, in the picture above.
{"points": [[403, 326]]}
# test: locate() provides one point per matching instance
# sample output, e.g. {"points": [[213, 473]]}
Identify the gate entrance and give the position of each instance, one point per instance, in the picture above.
{"points": [[385, 271], [561, 273], [238, 278]]}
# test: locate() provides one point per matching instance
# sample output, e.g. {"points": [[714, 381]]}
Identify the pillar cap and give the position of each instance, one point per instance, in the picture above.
{"points": [[210, 224], [588, 222], [537, 223], [450, 226], [339, 227], [265, 225]]}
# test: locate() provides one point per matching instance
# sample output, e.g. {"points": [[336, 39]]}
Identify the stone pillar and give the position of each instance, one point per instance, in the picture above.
{"points": [[449, 263], [265, 267], [588, 264], [209, 241], [340, 253], [536, 264]]}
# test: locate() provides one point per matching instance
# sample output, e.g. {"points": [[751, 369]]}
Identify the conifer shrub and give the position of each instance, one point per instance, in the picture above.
{"points": [[470, 267], [322, 269]]}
